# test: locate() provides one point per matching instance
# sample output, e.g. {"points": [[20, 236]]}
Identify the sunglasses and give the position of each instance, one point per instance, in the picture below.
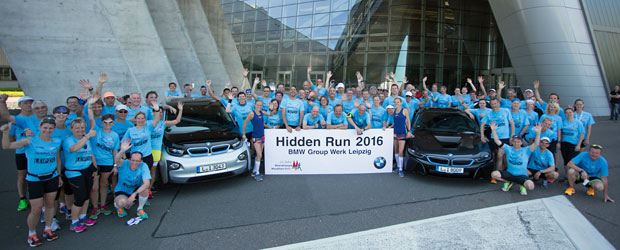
{"points": [[62, 112], [596, 146], [108, 122], [122, 111]]}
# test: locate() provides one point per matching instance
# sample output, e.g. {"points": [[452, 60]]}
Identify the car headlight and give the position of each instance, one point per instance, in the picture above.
{"points": [[173, 165], [236, 144], [484, 156], [414, 153], [175, 151], [242, 156]]}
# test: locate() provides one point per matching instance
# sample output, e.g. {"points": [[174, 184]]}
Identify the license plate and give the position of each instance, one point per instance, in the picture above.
{"points": [[210, 168], [450, 170]]}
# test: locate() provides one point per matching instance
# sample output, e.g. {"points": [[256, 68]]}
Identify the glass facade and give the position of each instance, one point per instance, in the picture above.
{"points": [[447, 40], [604, 23]]}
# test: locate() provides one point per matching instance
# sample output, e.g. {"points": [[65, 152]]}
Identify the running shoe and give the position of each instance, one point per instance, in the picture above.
{"points": [[77, 227], [49, 235], [121, 212], [523, 190], [150, 194], [34, 241], [22, 205], [104, 210], [142, 214], [569, 191], [88, 222], [94, 214], [259, 177], [493, 181], [550, 180], [590, 191], [55, 226], [507, 186], [68, 215], [544, 184], [401, 173], [63, 209]]}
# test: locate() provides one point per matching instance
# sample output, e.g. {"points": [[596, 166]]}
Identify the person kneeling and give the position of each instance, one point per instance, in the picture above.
{"points": [[516, 158], [542, 165], [134, 179]]}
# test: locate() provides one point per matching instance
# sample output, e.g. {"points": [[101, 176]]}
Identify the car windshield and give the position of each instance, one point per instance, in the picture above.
{"points": [[210, 116], [446, 122]]}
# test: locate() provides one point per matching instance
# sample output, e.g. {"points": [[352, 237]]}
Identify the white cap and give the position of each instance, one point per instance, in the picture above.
{"points": [[121, 107], [492, 90], [545, 139], [529, 90], [340, 85], [408, 94], [24, 99], [389, 107]]}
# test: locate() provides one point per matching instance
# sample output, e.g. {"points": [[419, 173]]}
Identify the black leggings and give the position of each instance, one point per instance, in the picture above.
{"points": [[568, 152], [81, 186], [148, 160]]}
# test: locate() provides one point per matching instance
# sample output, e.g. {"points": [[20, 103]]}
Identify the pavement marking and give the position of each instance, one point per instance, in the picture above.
{"points": [[548, 223]]}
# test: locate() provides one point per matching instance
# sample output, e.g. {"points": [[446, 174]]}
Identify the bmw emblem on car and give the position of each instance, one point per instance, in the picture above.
{"points": [[208, 144], [379, 162], [450, 155]]}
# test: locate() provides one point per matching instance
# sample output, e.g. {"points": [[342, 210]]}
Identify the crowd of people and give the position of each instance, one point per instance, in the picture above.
{"points": [[67, 161]]}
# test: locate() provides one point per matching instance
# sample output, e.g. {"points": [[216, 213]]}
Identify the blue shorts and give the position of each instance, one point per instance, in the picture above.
{"points": [[400, 136], [260, 140]]}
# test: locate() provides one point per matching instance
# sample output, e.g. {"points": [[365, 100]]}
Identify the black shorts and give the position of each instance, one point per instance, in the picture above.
{"points": [[591, 178], [148, 160], [36, 189], [543, 176], [517, 179], [105, 168], [568, 151], [116, 194], [66, 186], [553, 146], [494, 147], [21, 162]]}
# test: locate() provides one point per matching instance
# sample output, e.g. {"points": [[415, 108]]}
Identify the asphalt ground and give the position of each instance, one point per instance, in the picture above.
{"points": [[239, 213]]}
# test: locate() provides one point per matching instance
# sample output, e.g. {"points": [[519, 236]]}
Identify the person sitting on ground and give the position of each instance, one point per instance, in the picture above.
{"points": [[590, 168], [516, 158], [541, 164], [134, 179]]}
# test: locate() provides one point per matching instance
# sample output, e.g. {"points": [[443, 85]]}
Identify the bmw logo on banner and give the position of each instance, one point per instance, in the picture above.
{"points": [[379, 162]]}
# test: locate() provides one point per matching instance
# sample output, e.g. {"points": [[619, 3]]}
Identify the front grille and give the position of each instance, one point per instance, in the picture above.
{"points": [[437, 160], [218, 149], [462, 162], [199, 151]]}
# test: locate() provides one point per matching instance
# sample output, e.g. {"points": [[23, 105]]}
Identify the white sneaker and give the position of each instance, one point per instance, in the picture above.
{"points": [[55, 226]]}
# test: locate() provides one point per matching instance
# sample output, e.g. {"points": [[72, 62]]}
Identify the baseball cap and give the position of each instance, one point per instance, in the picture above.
{"points": [[108, 94], [529, 90], [24, 99], [121, 107], [492, 90], [545, 139], [408, 94], [389, 107], [340, 85], [203, 87], [516, 137]]}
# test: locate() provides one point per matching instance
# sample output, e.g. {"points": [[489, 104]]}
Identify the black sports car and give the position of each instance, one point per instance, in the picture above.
{"points": [[447, 142]]}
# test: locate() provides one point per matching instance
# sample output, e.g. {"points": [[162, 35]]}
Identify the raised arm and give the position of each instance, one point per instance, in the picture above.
{"points": [[537, 92], [471, 84], [210, 90], [537, 140], [179, 116], [496, 139], [245, 81], [156, 113], [481, 82], [118, 158], [308, 74], [79, 144], [501, 86], [102, 79], [91, 115], [424, 83], [4, 110], [6, 141]]}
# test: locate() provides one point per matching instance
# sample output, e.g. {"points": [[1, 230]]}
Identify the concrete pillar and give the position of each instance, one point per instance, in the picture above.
{"points": [[176, 41], [204, 44], [549, 40]]}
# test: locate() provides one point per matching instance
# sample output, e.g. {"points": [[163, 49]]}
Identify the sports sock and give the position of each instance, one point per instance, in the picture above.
{"points": [[142, 201], [257, 167], [400, 163], [47, 228], [32, 232]]}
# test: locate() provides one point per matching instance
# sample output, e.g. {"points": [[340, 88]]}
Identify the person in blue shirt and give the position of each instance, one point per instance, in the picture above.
{"points": [[402, 132], [541, 164], [481, 111], [572, 137], [258, 134], [324, 106], [388, 118], [587, 120], [43, 154], [532, 116], [133, 180], [412, 104], [510, 96], [359, 120], [172, 92], [552, 113], [348, 104], [517, 161], [135, 107], [590, 168], [187, 91], [442, 99], [394, 90], [121, 123], [503, 120], [292, 110], [314, 120], [106, 144], [456, 99], [377, 113], [80, 169], [553, 98], [240, 110], [274, 120], [337, 119], [157, 139], [333, 100], [519, 117], [265, 97]]}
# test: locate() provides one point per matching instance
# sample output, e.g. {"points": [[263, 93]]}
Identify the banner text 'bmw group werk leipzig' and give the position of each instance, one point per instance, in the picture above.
{"points": [[321, 151]]}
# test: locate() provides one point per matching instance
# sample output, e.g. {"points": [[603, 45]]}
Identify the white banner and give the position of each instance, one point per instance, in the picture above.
{"points": [[323, 151]]}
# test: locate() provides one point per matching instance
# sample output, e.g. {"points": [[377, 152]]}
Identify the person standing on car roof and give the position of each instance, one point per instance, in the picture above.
{"points": [[517, 161], [43, 155], [505, 124], [402, 131]]}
